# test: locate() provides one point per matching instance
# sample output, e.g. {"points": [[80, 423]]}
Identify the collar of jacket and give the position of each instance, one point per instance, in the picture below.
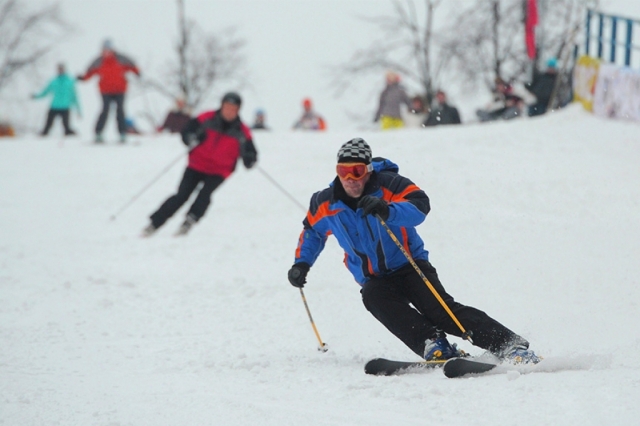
{"points": [[339, 194], [219, 124]]}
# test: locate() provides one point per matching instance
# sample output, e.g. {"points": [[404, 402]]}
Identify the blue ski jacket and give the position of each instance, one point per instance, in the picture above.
{"points": [[369, 250]]}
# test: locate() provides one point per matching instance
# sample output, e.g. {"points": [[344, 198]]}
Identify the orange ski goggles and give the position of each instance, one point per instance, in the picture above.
{"points": [[354, 171]]}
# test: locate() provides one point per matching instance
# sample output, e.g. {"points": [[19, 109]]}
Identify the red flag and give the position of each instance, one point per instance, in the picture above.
{"points": [[530, 28]]}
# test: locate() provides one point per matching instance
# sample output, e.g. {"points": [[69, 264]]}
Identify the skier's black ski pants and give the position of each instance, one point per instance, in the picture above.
{"points": [[118, 99], [405, 305], [53, 113], [190, 181]]}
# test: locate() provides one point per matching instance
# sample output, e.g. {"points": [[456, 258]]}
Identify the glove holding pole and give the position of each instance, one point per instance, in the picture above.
{"points": [[193, 134], [374, 206], [380, 210], [298, 274]]}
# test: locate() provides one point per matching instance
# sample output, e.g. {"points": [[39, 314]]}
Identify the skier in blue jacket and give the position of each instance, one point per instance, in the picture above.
{"points": [[367, 188], [63, 89]]}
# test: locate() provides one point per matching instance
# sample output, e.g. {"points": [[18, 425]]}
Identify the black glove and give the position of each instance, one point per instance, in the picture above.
{"points": [[374, 205], [249, 154], [298, 274], [193, 134]]}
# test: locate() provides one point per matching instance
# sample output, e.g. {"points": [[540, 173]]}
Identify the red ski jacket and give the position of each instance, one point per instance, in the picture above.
{"points": [[222, 143], [111, 67]]}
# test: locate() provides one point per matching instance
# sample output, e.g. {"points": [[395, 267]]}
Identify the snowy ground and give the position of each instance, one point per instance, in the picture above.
{"points": [[535, 222]]}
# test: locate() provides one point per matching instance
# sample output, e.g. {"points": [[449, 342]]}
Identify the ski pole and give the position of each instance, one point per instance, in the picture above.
{"points": [[465, 334], [322, 346], [277, 185], [154, 180]]}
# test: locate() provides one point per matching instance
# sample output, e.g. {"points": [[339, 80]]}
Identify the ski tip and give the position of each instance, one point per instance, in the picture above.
{"points": [[376, 367], [387, 367], [461, 367]]}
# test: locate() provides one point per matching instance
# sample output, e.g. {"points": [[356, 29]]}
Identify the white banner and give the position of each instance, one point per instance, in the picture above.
{"points": [[617, 93]]}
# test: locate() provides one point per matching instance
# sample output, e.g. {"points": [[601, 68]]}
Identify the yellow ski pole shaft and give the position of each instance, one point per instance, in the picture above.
{"points": [[465, 334], [322, 346]]}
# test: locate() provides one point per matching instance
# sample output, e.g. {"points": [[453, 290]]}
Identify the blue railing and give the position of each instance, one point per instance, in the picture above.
{"points": [[613, 38]]}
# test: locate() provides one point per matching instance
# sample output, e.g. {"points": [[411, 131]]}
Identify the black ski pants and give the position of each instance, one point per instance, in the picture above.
{"points": [[53, 113], [403, 303], [190, 181], [107, 99]]}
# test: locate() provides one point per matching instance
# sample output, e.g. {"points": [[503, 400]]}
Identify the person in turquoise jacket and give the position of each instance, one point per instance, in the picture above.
{"points": [[63, 89]]}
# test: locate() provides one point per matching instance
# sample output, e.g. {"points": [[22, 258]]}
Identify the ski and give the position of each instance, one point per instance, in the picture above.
{"points": [[460, 367], [388, 367]]}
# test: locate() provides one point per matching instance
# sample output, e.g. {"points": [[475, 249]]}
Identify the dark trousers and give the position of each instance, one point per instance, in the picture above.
{"points": [[538, 109], [190, 181], [118, 99], [53, 113], [405, 305]]}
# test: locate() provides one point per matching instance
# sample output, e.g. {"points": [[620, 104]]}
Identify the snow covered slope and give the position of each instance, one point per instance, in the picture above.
{"points": [[534, 221]]}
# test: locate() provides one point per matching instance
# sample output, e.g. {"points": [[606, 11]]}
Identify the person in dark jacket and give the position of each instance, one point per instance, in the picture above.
{"points": [[63, 89], [111, 67], [367, 200], [176, 119], [216, 139], [542, 87], [442, 112]]}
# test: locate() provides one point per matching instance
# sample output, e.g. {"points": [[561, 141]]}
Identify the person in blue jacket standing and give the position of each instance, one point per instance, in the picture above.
{"points": [[367, 196], [63, 88]]}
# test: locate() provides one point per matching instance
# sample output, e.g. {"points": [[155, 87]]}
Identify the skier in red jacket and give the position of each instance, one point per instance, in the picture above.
{"points": [[111, 67], [216, 139]]}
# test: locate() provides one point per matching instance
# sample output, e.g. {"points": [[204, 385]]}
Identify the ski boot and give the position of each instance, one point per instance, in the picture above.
{"points": [[149, 231], [439, 349], [186, 226], [519, 353], [99, 139]]}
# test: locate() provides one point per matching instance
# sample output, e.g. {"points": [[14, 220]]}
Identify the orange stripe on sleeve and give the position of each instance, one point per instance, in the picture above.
{"points": [[299, 248], [323, 211], [391, 197]]}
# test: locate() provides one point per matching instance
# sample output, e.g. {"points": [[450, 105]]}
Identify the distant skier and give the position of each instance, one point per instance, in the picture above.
{"points": [[63, 89], [392, 290], [111, 67], [177, 118], [259, 121], [216, 140], [391, 100], [310, 120]]}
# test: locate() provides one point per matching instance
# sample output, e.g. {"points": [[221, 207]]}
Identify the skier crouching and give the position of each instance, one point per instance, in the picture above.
{"points": [[392, 290]]}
